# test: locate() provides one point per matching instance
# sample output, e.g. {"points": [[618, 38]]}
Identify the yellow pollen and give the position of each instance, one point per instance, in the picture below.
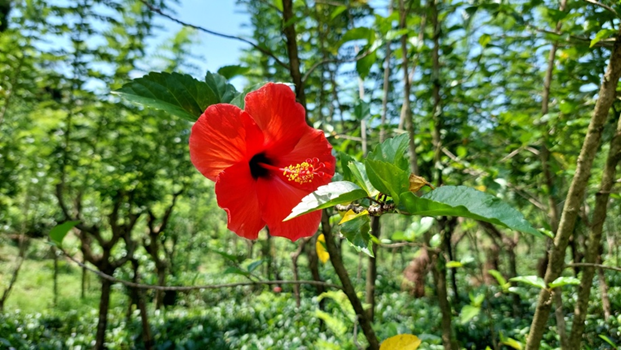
{"points": [[304, 172]]}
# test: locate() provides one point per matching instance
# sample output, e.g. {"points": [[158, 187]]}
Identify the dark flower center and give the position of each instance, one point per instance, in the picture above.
{"points": [[256, 170]]}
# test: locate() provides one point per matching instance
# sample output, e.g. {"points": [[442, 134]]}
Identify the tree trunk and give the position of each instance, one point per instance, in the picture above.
{"points": [[595, 238], [16, 270], [575, 196], [159, 294], [603, 287], [104, 305], [292, 50]]}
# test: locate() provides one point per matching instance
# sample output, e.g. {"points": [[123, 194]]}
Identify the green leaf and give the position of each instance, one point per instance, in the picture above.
{"points": [[357, 233], [232, 71], [484, 40], [387, 178], [253, 265], [278, 4], [232, 270], [601, 35], [534, 281], [563, 281], [328, 196], [239, 99], [466, 202], [467, 313], [334, 324], [359, 174], [360, 33], [609, 341], [364, 65], [178, 94], [512, 343], [58, 233], [498, 276], [220, 87], [337, 11], [392, 151], [397, 33], [362, 110]]}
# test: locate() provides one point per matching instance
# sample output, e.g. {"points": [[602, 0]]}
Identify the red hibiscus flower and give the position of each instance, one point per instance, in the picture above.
{"points": [[264, 160]]}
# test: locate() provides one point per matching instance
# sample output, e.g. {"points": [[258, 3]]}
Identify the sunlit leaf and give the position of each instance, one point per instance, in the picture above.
{"points": [[467, 313], [320, 247], [466, 202], [178, 94], [328, 196], [534, 281], [401, 342], [351, 215], [563, 281]]}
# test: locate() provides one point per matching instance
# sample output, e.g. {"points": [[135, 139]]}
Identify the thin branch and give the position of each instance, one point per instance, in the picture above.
{"points": [[603, 6], [208, 31], [595, 265], [188, 288], [335, 60]]}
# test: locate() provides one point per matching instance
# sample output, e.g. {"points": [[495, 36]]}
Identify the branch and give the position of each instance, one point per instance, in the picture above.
{"points": [[595, 265], [348, 287], [335, 60], [603, 6], [188, 288], [205, 30]]}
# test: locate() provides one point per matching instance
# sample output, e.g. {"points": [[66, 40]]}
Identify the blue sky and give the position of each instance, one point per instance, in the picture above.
{"points": [[218, 15]]}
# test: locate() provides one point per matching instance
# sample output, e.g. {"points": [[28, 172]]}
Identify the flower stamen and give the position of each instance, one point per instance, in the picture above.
{"points": [[304, 172], [300, 173]]}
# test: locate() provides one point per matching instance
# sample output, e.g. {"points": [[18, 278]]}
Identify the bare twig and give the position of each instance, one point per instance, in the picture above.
{"points": [[188, 288], [595, 265], [208, 31], [604, 6]]}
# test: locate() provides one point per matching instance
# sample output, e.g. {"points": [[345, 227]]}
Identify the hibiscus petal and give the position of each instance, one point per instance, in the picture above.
{"points": [[313, 144], [222, 136], [236, 191], [277, 198], [281, 119]]}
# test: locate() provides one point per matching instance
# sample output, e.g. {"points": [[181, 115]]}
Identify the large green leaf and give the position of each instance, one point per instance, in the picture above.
{"points": [[563, 281], [222, 90], [178, 94], [534, 281], [363, 65], [357, 233], [466, 202], [359, 174], [58, 233], [392, 151], [359, 33], [387, 178], [328, 196]]}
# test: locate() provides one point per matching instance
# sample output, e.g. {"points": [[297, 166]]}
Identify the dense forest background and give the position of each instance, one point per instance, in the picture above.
{"points": [[514, 98]]}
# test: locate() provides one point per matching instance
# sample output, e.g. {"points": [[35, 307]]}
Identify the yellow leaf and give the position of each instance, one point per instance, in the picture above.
{"points": [[401, 342], [481, 188], [350, 215], [512, 343], [418, 182], [322, 253]]}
